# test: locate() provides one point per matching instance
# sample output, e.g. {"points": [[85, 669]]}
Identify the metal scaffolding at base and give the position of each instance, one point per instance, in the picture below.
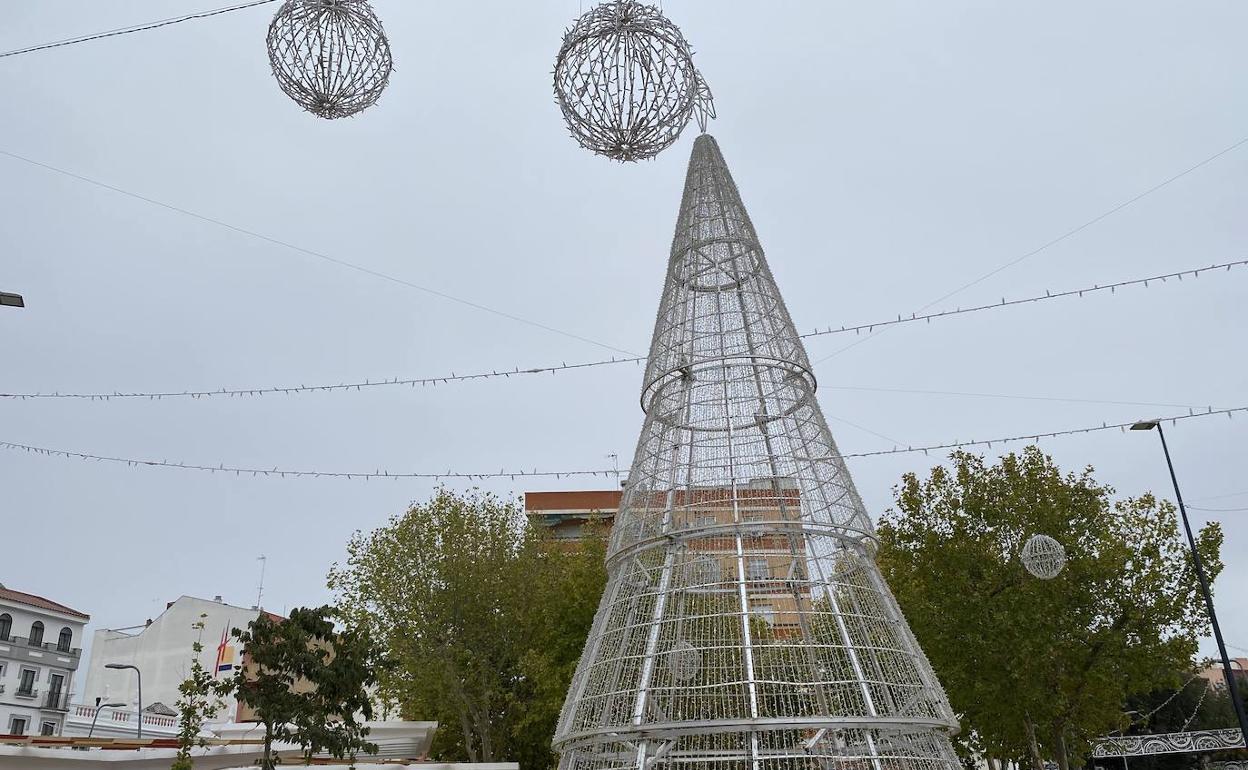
{"points": [[744, 623]]}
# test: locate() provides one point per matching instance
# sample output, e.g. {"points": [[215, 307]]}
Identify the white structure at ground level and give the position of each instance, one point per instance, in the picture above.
{"points": [[235, 746], [121, 723], [40, 647], [162, 650]]}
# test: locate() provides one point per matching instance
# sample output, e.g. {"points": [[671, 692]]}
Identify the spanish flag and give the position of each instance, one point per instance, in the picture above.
{"points": [[225, 656]]}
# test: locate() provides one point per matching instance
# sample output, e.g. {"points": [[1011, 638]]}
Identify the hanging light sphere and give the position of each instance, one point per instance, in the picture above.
{"points": [[684, 660], [1043, 557], [625, 80], [330, 56]]}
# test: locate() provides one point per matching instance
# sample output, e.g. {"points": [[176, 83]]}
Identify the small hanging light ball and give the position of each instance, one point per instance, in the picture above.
{"points": [[684, 660], [330, 56], [1043, 557], [625, 80]]}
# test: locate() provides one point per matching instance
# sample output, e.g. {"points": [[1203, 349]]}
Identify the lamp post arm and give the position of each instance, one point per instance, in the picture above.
{"points": [[1231, 684]]}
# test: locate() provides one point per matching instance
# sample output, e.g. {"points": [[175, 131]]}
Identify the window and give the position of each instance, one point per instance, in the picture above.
{"points": [[6, 625], [36, 634], [757, 568], [56, 683], [27, 684], [47, 728], [65, 640], [17, 726]]}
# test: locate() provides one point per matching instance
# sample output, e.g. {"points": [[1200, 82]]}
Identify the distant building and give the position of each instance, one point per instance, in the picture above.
{"points": [[709, 515], [566, 514], [162, 651], [1217, 680], [40, 647]]}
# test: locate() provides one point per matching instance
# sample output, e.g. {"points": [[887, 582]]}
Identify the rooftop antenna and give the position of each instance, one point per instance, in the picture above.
{"points": [[264, 560]]}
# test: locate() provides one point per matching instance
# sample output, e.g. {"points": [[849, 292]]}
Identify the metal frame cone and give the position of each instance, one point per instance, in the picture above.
{"points": [[745, 623]]}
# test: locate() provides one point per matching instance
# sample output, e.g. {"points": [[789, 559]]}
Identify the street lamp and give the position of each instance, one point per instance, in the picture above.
{"points": [[1231, 685], [139, 674], [99, 706], [12, 300]]}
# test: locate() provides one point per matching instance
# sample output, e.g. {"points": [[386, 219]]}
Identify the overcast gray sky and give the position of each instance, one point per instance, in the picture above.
{"points": [[889, 152]]}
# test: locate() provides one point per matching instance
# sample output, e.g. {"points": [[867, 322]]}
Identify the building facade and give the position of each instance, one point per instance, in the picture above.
{"points": [[566, 514], [777, 551], [162, 649], [1215, 677], [40, 648]]}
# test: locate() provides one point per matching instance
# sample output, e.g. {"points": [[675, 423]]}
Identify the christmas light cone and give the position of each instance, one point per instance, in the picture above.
{"points": [[745, 623]]}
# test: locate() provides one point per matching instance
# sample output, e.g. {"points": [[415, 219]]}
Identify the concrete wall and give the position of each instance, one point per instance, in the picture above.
{"points": [[162, 651]]}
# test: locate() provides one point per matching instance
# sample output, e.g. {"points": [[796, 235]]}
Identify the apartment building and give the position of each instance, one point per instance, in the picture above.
{"points": [[40, 648], [774, 550]]}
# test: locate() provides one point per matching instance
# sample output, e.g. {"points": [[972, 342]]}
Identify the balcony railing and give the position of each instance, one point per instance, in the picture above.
{"points": [[56, 701], [26, 692], [49, 646]]}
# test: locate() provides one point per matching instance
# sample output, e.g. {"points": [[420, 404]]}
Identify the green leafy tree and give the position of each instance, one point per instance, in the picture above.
{"points": [[484, 616], [1039, 668], [309, 683], [200, 699]]}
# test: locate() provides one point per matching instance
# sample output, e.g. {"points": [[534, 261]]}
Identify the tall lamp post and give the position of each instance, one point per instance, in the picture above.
{"points": [[1231, 685], [139, 674], [98, 707]]}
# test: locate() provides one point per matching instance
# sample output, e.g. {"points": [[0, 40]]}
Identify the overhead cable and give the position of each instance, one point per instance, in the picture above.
{"points": [[514, 474], [313, 253], [134, 28], [563, 366], [1069, 233]]}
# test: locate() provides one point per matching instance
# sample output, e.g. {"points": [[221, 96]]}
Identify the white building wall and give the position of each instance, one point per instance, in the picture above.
{"points": [[46, 661], [162, 651]]}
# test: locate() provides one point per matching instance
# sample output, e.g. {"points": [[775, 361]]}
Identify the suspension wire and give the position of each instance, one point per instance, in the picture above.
{"points": [[1216, 510], [312, 253], [1015, 396], [563, 366], [606, 473], [1221, 497], [1068, 234], [134, 28]]}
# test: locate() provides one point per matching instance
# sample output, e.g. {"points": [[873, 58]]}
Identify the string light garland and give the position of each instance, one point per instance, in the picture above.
{"points": [[605, 473], [563, 366], [134, 28]]}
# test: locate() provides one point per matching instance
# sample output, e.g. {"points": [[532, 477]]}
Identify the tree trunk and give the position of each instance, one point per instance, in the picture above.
{"points": [[1063, 759], [465, 728], [267, 763], [1036, 762], [483, 729]]}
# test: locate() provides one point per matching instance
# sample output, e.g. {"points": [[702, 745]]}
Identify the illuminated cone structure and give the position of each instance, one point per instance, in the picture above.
{"points": [[745, 623]]}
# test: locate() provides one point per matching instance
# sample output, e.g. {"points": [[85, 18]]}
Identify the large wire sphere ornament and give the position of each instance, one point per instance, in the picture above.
{"points": [[625, 81], [1043, 557], [330, 56]]}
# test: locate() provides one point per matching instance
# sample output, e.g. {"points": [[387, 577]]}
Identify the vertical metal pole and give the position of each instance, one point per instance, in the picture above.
{"points": [[139, 674], [97, 716], [1231, 685]]}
